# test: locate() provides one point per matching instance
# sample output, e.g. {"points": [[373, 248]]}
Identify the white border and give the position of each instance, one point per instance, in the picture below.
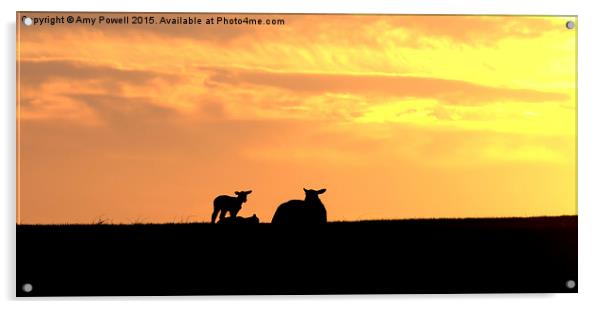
{"points": [[590, 152]]}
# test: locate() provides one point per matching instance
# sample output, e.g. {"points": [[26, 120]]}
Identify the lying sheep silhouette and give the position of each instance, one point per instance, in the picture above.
{"points": [[240, 220], [309, 211], [225, 203]]}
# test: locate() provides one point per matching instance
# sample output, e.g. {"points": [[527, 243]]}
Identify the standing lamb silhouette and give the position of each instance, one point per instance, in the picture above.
{"points": [[231, 204], [309, 211]]}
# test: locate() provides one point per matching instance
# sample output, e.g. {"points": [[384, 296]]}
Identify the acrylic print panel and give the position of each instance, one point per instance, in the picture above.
{"points": [[203, 154]]}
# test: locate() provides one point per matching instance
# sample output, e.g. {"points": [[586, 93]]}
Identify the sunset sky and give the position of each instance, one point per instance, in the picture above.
{"points": [[396, 116]]}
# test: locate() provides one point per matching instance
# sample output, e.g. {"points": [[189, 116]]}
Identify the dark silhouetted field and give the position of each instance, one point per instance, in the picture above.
{"points": [[401, 256]]}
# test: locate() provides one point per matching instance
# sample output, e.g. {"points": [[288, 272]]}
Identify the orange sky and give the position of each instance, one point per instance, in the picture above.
{"points": [[397, 116]]}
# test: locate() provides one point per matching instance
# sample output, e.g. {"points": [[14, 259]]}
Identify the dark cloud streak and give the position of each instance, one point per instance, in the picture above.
{"points": [[446, 91], [34, 73]]}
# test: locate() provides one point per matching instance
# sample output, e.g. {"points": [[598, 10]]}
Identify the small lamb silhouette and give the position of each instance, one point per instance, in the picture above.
{"points": [[309, 211], [225, 203], [240, 220]]}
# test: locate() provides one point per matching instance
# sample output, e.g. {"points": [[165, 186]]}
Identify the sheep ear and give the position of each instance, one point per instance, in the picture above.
{"points": [[237, 192], [249, 192], [321, 191], [305, 190]]}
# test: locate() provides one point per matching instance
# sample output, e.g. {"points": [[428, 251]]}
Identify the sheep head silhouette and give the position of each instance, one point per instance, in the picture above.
{"points": [[242, 195], [299, 212]]}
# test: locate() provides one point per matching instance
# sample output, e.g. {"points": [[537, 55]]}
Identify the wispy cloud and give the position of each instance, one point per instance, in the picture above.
{"points": [[445, 90]]}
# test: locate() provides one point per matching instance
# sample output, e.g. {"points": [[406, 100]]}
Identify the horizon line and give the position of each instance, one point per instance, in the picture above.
{"points": [[104, 223]]}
